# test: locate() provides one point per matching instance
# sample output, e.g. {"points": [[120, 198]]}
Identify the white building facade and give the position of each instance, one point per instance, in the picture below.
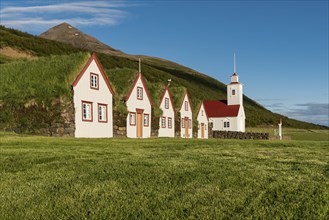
{"points": [[186, 124], [139, 106], [93, 102], [167, 120], [228, 115], [202, 123]]}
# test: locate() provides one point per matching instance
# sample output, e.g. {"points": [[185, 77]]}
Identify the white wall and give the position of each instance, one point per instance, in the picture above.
{"points": [[82, 91], [236, 99], [167, 132], [236, 123], [132, 104], [202, 118], [187, 114]]}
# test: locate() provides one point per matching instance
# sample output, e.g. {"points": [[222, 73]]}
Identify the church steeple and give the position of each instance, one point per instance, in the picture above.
{"points": [[234, 89]]}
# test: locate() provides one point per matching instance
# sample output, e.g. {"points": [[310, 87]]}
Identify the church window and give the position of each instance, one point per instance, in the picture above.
{"points": [[233, 91]]}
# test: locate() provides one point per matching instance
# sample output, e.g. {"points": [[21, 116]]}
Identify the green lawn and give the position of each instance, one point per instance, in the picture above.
{"points": [[67, 178]]}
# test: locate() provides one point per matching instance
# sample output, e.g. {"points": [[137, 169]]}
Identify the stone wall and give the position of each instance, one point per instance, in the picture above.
{"points": [[66, 127], [239, 135]]}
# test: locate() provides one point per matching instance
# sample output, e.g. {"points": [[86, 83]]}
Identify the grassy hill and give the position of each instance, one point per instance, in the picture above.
{"points": [[48, 77], [71, 178]]}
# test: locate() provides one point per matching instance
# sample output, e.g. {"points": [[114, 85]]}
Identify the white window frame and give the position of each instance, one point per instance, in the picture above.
{"points": [[163, 122], [132, 118], [169, 122], [166, 103], [102, 112], [139, 93], [87, 113], [146, 120]]}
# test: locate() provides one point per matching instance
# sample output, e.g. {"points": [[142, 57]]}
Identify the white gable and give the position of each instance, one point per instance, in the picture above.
{"points": [[84, 93], [167, 121], [202, 123], [186, 118], [139, 104]]}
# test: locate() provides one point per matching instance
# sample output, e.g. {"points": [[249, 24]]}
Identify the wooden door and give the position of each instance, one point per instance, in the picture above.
{"points": [[202, 130], [186, 127], [139, 125]]}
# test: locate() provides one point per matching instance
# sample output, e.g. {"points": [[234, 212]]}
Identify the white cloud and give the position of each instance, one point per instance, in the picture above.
{"points": [[82, 13]]}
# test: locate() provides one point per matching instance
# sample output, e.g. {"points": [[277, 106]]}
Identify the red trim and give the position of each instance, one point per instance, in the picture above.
{"points": [[170, 122], [137, 93], [170, 97], [139, 75], [101, 69], [132, 113], [139, 110], [97, 82], [188, 98], [163, 118], [91, 111], [148, 120], [106, 118]]}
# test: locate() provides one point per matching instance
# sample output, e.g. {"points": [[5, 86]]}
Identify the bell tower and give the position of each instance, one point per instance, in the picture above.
{"points": [[235, 89]]}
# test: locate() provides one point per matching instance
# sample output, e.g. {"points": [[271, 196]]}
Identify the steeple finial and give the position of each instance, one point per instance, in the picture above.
{"points": [[139, 65], [234, 63]]}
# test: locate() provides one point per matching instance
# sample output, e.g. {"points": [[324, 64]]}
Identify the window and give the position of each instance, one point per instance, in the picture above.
{"points": [[139, 93], [132, 118], [163, 122], [202, 113], [166, 103], [189, 123], [87, 111], [226, 124], [233, 91], [169, 122], [102, 112], [146, 119], [186, 106], [93, 81], [205, 127], [183, 123], [211, 125]]}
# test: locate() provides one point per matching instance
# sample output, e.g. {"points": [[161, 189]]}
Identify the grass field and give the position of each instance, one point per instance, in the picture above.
{"points": [[66, 178]]}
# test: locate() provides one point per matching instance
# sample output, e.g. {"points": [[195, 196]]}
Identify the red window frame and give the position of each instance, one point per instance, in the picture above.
{"points": [[91, 111], [141, 88], [163, 119], [148, 120], [169, 124], [130, 121], [106, 113], [166, 103], [97, 82]]}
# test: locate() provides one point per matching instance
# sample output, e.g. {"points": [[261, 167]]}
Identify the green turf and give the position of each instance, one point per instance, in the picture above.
{"points": [[66, 178]]}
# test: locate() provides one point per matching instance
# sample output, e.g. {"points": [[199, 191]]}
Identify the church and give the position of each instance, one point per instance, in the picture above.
{"points": [[227, 115]]}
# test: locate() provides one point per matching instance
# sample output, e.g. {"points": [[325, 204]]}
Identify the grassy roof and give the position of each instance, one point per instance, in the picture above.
{"points": [[41, 79]]}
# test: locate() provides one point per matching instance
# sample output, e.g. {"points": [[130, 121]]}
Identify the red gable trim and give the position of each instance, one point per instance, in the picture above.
{"points": [[170, 98], [139, 75], [204, 110], [100, 67], [188, 99], [218, 109]]}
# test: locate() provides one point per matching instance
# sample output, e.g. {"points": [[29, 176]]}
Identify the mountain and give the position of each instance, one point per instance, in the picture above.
{"points": [[23, 87], [66, 33]]}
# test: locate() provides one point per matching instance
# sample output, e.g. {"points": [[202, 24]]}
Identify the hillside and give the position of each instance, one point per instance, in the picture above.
{"points": [[120, 70]]}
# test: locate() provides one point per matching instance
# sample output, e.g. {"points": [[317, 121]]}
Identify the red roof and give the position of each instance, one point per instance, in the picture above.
{"points": [[217, 109]]}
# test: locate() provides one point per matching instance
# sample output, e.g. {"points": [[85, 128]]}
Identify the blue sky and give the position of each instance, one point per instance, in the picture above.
{"points": [[281, 46]]}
